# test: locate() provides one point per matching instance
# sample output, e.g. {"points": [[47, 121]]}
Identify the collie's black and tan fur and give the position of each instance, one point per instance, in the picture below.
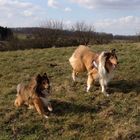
{"points": [[35, 94]]}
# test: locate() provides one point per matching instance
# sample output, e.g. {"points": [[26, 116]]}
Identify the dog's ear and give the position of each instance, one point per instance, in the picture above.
{"points": [[38, 78], [113, 51], [106, 54], [46, 77], [45, 74]]}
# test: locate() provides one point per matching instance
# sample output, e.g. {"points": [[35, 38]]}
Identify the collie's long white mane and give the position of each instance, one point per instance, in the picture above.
{"points": [[104, 76], [101, 67]]}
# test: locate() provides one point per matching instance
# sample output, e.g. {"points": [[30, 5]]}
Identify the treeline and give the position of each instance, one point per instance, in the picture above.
{"points": [[128, 37], [5, 33], [56, 34]]}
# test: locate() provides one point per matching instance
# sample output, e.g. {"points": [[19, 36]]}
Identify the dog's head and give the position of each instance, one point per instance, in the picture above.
{"points": [[43, 82], [111, 58]]}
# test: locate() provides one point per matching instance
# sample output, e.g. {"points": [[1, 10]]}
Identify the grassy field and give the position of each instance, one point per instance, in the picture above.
{"points": [[77, 114]]}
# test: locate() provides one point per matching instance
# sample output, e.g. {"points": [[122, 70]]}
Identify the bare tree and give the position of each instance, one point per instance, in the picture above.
{"points": [[83, 32], [53, 24], [52, 33], [54, 30], [49, 33]]}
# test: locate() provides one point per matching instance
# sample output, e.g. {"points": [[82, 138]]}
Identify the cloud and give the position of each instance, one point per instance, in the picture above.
{"points": [[111, 4], [67, 9], [15, 3], [53, 4], [27, 13], [19, 13], [20, 4], [2, 2], [123, 25], [15, 6]]}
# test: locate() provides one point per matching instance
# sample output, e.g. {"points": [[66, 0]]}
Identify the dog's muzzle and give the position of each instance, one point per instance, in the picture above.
{"points": [[114, 66], [46, 92]]}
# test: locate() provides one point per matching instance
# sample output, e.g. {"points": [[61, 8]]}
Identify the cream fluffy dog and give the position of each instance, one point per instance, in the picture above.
{"points": [[99, 66]]}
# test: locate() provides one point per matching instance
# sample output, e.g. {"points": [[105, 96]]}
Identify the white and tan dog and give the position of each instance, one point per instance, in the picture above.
{"points": [[99, 66]]}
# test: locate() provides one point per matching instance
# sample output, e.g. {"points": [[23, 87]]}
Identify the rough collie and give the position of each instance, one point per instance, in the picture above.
{"points": [[35, 94], [100, 66]]}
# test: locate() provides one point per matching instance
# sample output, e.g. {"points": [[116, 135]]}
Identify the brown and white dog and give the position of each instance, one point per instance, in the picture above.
{"points": [[99, 66], [35, 94]]}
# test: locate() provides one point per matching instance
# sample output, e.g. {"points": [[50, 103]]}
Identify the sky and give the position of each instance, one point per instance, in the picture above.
{"points": [[111, 16]]}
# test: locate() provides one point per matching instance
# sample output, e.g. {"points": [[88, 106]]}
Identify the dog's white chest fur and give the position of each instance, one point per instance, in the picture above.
{"points": [[101, 68], [103, 74]]}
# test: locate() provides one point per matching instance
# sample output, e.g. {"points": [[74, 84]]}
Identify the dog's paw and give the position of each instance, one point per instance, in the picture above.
{"points": [[106, 94], [46, 116], [88, 88], [50, 108], [30, 107]]}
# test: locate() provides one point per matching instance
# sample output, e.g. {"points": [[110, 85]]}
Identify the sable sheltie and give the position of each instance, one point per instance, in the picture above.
{"points": [[35, 94], [100, 66]]}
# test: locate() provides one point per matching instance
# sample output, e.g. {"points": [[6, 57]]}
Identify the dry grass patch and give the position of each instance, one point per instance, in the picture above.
{"points": [[77, 114]]}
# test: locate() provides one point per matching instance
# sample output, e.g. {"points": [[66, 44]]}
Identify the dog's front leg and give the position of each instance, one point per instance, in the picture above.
{"points": [[89, 82], [50, 107], [39, 107], [30, 106], [74, 75], [46, 103], [103, 86]]}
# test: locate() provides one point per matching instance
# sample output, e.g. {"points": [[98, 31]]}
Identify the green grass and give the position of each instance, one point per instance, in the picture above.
{"points": [[77, 114]]}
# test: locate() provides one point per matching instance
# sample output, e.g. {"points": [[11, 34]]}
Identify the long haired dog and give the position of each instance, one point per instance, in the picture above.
{"points": [[35, 94], [99, 66], [107, 63]]}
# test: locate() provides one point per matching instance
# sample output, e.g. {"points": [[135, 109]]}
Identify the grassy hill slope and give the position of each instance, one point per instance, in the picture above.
{"points": [[77, 114]]}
